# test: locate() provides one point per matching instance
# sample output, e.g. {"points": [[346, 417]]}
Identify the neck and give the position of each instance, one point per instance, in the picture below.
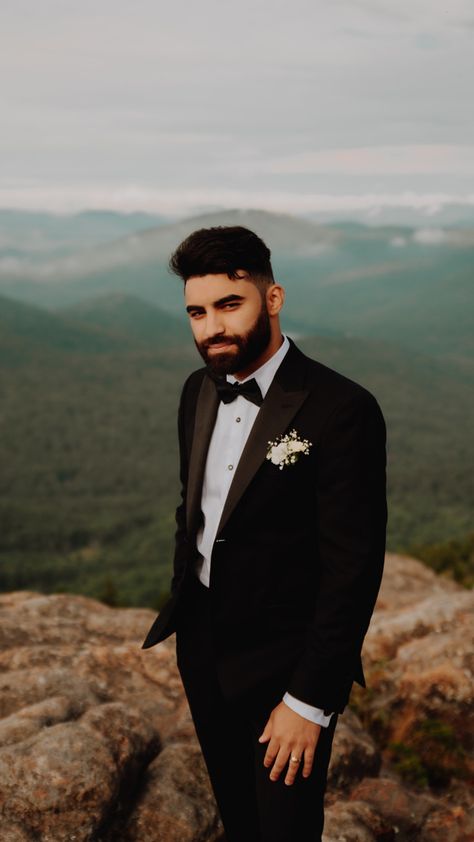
{"points": [[272, 347]]}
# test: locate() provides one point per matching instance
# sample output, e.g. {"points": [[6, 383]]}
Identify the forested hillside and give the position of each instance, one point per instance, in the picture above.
{"points": [[88, 445]]}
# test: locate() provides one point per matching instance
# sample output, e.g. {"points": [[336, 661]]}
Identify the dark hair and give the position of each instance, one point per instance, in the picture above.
{"points": [[223, 250]]}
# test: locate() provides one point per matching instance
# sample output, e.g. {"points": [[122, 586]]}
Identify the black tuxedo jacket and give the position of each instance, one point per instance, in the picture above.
{"points": [[298, 555]]}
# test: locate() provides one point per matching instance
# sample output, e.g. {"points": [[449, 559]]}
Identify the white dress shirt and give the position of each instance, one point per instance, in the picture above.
{"points": [[233, 423]]}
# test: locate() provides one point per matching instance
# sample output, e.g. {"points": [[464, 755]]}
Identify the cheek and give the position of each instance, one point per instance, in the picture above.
{"points": [[196, 329], [243, 318]]}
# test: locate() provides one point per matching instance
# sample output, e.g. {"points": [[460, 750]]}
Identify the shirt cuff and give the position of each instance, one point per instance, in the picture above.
{"points": [[316, 715]]}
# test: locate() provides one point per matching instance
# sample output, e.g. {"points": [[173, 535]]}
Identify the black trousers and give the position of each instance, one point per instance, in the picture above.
{"points": [[252, 807]]}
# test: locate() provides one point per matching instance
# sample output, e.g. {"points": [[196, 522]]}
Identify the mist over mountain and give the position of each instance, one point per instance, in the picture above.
{"points": [[445, 215], [288, 233], [409, 285], [39, 235]]}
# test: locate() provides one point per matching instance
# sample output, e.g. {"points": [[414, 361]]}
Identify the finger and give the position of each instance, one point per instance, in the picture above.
{"points": [[271, 752], [280, 763], [293, 768], [308, 762]]}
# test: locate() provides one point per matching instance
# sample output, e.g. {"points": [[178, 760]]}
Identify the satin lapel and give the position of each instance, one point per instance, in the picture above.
{"points": [[206, 411], [281, 404]]}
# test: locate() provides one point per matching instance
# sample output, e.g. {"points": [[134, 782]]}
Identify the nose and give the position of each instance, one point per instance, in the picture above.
{"points": [[214, 325]]}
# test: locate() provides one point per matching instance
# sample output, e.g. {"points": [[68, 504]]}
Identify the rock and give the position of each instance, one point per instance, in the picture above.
{"points": [[419, 667], [413, 815], [412, 603], [14, 833], [84, 714], [354, 753], [400, 808], [406, 581], [97, 742], [174, 804], [66, 779], [382, 809], [354, 822]]}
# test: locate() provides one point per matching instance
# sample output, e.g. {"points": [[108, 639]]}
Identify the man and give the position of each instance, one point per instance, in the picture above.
{"points": [[280, 543]]}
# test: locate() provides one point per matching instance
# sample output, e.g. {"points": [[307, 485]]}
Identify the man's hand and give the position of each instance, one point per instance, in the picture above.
{"points": [[290, 735]]}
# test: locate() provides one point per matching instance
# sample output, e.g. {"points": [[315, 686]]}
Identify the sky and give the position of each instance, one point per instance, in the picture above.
{"points": [[177, 106]]}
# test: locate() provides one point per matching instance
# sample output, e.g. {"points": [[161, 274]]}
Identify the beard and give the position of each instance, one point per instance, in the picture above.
{"points": [[250, 346]]}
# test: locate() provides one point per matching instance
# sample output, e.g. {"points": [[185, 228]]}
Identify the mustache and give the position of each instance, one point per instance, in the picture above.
{"points": [[218, 341]]}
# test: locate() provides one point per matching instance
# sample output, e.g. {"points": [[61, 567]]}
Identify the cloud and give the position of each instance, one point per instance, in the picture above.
{"points": [[73, 197], [429, 236], [239, 99], [378, 160]]}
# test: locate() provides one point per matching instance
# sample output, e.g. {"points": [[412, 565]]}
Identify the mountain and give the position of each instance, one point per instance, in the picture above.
{"points": [[106, 324], [131, 317], [409, 285], [448, 214], [40, 234], [26, 331]]}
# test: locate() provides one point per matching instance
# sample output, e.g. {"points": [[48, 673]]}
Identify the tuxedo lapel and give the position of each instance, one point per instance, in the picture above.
{"points": [[280, 405], [206, 411], [282, 401]]}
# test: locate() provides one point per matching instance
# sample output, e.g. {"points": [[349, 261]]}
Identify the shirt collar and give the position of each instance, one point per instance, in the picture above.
{"points": [[266, 372]]}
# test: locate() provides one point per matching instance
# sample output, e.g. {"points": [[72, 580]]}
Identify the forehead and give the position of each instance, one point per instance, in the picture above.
{"points": [[207, 289]]}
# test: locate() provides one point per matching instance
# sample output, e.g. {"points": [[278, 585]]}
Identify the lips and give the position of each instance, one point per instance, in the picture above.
{"points": [[221, 345]]}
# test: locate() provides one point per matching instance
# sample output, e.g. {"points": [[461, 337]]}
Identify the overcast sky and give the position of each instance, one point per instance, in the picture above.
{"points": [[178, 105]]}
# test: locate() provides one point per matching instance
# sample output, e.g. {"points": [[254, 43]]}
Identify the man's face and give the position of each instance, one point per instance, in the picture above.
{"points": [[229, 321]]}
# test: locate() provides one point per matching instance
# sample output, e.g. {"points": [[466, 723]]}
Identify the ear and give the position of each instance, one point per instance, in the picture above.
{"points": [[275, 299]]}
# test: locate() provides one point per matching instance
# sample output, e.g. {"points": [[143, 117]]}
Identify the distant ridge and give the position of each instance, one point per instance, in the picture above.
{"points": [[155, 243], [112, 322], [285, 234], [407, 285], [25, 329], [129, 315], [42, 234]]}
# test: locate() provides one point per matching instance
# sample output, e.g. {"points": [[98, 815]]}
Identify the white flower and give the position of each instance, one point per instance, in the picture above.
{"points": [[278, 453], [287, 450], [296, 446]]}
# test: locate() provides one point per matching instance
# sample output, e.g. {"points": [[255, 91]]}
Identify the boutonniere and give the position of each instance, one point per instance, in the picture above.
{"points": [[287, 449]]}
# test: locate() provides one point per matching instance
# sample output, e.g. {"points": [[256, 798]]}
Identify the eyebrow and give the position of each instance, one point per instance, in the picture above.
{"points": [[218, 303]]}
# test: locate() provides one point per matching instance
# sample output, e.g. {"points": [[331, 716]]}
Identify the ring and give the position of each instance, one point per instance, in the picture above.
{"points": [[294, 759]]}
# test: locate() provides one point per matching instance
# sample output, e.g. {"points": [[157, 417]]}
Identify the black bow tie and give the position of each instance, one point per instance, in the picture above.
{"points": [[227, 392]]}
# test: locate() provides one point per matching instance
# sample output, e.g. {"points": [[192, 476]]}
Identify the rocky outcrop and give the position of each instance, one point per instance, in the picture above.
{"points": [[95, 734], [97, 743], [419, 660], [418, 708], [381, 809]]}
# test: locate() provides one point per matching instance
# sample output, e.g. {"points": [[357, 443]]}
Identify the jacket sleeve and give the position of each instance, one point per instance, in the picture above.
{"points": [[181, 541], [351, 513]]}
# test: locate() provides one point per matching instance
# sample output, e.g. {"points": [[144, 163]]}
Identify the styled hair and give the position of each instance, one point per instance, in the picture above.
{"points": [[224, 250]]}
